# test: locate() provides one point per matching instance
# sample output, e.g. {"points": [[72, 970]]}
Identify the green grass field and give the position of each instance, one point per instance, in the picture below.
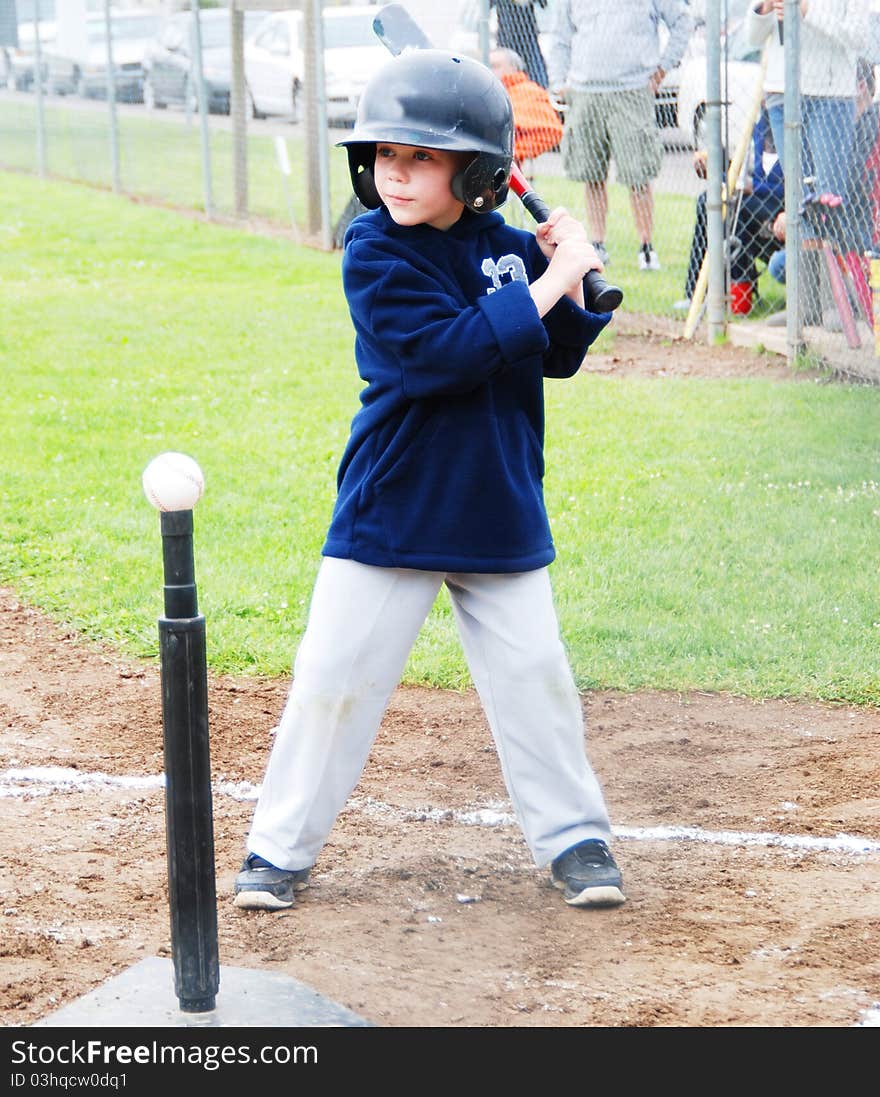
{"points": [[719, 535]]}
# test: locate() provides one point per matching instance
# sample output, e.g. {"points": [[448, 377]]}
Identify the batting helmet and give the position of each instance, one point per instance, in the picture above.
{"points": [[435, 100]]}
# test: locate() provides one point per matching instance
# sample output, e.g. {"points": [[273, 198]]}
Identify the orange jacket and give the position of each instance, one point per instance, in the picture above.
{"points": [[537, 126]]}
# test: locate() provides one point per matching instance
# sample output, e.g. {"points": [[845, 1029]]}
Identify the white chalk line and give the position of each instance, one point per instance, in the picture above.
{"points": [[36, 781]]}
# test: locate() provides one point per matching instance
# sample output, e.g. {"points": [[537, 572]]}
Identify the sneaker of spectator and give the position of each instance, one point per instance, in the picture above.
{"points": [[648, 258], [602, 252]]}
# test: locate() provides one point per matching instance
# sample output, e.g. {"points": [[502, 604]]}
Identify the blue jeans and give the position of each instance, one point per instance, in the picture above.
{"points": [[828, 131], [776, 266]]}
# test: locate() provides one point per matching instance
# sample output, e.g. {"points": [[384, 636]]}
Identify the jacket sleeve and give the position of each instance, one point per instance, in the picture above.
{"points": [[680, 23], [757, 26], [844, 22], [559, 53], [572, 331], [439, 344]]}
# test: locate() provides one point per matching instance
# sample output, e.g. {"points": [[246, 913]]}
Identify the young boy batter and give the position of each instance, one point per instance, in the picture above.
{"points": [[458, 320]]}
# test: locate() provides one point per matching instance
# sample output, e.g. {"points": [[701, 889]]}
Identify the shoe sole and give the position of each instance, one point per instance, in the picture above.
{"points": [[608, 896], [261, 900]]}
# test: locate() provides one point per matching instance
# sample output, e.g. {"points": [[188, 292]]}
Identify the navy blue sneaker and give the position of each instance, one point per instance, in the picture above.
{"points": [[261, 886], [588, 875]]}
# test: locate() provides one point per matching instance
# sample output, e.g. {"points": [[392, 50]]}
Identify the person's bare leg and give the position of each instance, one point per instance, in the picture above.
{"points": [[596, 197], [642, 203]]}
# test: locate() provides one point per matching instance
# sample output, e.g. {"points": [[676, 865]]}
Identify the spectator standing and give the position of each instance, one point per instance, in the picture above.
{"points": [[832, 33], [518, 30], [606, 62], [862, 185], [862, 190]]}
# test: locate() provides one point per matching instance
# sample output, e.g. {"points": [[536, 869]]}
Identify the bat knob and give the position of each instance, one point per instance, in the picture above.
{"points": [[608, 299], [600, 296]]}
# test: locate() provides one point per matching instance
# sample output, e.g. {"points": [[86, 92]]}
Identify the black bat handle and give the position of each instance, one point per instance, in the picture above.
{"points": [[601, 297], [536, 206]]}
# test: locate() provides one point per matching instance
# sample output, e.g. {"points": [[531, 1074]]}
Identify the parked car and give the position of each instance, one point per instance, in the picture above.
{"points": [[169, 60], [274, 63], [18, 63], [84, 70], [740, 80]]}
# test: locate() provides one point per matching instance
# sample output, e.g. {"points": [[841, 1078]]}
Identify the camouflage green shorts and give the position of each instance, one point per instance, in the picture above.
{"points": [[600, 125]]}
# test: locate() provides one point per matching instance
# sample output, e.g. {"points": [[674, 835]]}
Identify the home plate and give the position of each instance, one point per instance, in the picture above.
{"points": [[143, 996]]}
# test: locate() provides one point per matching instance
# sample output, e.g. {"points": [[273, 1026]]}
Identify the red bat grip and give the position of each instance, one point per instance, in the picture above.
{"points": [[600, 296]]}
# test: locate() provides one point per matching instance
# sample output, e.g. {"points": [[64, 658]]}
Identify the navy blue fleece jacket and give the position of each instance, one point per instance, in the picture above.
{"points": [[444, 466]]}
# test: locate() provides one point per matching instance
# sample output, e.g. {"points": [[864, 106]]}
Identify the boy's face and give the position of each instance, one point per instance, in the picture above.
{"points": [[415, 184]]}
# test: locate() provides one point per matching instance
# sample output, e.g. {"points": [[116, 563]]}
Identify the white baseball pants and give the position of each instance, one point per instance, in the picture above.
{"points": [[363, 621]]}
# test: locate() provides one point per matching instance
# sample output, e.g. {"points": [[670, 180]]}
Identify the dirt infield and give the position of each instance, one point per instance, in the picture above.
{"points": [[746, 906], [748, 834]]}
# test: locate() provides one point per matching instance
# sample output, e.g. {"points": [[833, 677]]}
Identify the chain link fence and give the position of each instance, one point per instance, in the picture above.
{"points": [[665, 124], [820, 95]]}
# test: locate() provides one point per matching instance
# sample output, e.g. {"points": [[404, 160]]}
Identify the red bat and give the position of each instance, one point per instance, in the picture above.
{"points": [[397, 31]]}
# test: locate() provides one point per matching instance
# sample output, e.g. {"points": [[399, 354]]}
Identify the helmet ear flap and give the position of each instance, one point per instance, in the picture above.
{"points": [[483, 184], [361, 158]]}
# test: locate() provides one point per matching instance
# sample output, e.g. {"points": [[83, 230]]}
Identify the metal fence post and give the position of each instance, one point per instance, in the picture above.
{"points": [[111, 101], [38, 88], [716, 313], [483, 31], [793, 180], [237, 110], [315, 125], [323, 135], [203, 111], [310, 123]]}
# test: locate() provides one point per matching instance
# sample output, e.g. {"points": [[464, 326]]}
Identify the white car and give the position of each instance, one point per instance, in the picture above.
{"points": [[741, 79], [18, 63], [274, 64], [81, 67]]}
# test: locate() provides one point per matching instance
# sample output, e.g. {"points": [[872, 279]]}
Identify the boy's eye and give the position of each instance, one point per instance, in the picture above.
{"points": [[384, 152], [422, 155]]}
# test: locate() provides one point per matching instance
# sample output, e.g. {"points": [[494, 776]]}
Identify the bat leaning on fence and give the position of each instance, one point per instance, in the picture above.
{"points": [[825, 213], [398, 31]]}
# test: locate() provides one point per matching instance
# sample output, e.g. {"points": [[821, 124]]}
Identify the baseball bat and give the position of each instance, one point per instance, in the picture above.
{"points": [[816, 208], [602, 297], [398, 31]]}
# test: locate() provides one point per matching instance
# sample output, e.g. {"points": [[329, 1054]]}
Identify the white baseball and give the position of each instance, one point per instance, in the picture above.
{"points": [[173, 481]]}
